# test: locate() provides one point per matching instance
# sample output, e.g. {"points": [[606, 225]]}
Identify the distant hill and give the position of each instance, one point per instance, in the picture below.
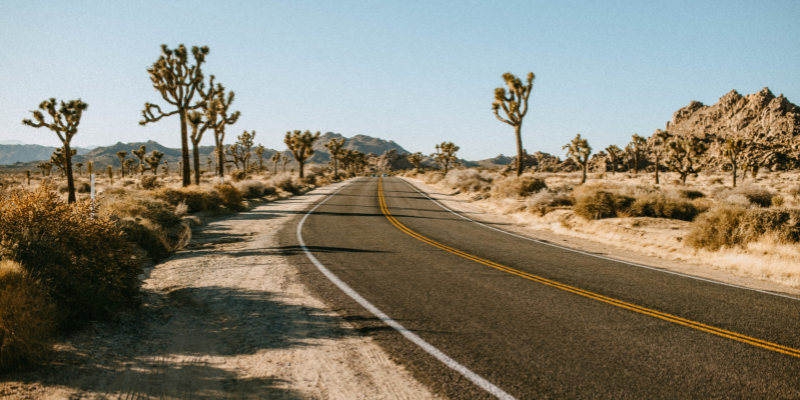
{"points": [[498, 161], [21, 153], [12, 142], [363, 143]]}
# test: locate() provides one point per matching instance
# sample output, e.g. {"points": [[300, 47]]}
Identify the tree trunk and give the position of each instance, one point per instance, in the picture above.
{"points": [[684, 175], [68, 171], [335, 168], [657, 169], [585, 171], [220, 158], [518, 134], [734, 174], [186, 167], [196, 156], [302, 163]]}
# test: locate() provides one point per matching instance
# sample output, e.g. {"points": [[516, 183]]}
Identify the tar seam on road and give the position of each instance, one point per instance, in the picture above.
{"points": [[473, 377], [657, 314], [595, 255]]}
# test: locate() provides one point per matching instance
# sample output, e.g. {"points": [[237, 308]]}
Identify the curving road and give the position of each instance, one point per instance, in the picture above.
{"points": [[531, 320]]}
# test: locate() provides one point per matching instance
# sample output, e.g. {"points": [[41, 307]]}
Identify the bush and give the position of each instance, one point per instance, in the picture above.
{"points": [[83, 187], [82, 259], [514, 186], [231, 197], [468, 180], [659, 205], [432, 177], [149, 182], [196, 198], [691, 194], [597, 204], [134, 206], [287, 182], [251, 189], [545, 201], [777, 201], [732, 225], [755, 194], [238, 175], [27, 317]]}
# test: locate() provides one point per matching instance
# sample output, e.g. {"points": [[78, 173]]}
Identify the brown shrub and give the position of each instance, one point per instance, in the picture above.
{"points": [[286, 182], [732, 225], [149, 182], [194, 197], [468, 180], [513, 186], [27, 317], [251, 189], [659, 205], [593, 203], [238, 175], [755, 194], [231, 197]]}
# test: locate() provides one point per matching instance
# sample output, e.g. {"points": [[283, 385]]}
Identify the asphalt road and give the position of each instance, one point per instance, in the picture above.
{"points": [[534, 320]]}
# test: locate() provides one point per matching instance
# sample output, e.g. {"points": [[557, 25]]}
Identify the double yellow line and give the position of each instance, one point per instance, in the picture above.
{"points": [[653, 313]]}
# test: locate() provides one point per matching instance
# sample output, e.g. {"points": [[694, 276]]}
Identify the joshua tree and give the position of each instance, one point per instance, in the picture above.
{"points": [[658, 147], [59, 161], [334, 148], [636, 148], [45, 168], [140, 155], [515, 105], [65, 124], [415, 159], [121, 155], [233, 151], [110, 173], [275, 159], [80, 168], [259, 150], [153, 160], [199, 126], [89, 168], [221, 104], [178, 82], [208, 160], [615, 154], [734, 147], [285, 160], [446, 155], [244, 144], [579, 150], [683, 155], [128, 165], [28, 176], [300, 144]]}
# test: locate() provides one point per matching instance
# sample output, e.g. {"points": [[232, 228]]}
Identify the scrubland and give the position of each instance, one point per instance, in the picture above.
{"points": [[62, 265], [752, 230]]}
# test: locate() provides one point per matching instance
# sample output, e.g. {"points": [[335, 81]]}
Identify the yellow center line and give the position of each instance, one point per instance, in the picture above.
{"points": [[667, 317]]}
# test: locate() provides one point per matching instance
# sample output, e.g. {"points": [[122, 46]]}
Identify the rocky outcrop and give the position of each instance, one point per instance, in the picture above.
{"points": [[390, 161]]}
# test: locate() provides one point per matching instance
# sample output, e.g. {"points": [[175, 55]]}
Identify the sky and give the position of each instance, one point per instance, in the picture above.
{"points": [[416, 72]]}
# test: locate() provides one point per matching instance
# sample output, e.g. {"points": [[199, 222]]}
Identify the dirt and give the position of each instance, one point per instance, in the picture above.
{"points": [[227, 317]]}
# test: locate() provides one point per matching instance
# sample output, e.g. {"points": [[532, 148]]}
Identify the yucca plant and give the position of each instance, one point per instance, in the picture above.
{"points": [[300, 144], [579, 151], [445, 155], [415, 159]]}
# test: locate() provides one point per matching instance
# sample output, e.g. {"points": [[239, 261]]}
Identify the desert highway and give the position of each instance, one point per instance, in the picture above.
{"points": [[474, 312]]}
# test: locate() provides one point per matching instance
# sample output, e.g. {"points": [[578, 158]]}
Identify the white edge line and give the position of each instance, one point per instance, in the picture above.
{"points": [[473, 377], [595, 255]]}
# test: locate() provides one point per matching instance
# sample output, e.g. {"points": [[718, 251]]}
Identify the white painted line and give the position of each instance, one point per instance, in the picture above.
{"points": [[473, 377], [594, 255]]}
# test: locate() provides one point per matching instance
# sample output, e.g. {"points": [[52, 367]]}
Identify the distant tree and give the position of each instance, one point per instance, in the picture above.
{"points": [[121, 155], [110, 173], [615, 154], [285, 161], [65, 124], [153, 160], [579, 150], [515, 105], [275, 159], [636, 149], [734, 149], [658, 148], [28, 176], [165, 168], [233, 151], [445, 155], [220, 109], [208, 160], [80, 168], [129, 166], [245, 143], [334, 148], [89, 168], [259, 150], [178, 82], [683, 155], [415, 159], [140, 155], [45, 168], [300, 144]]}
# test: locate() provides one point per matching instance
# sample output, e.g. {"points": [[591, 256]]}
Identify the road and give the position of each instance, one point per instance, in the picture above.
{"points": [[533, 320]]}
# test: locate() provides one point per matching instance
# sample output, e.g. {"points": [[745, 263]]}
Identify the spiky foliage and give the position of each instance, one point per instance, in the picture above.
{"points": [[219, 117], [353, 160], [658, 148], [244, 143], [683, 155], [579, 151], [636, 150], [334, 148], [60, 161], [128, 165], [178, 82], [65, 124], [276, 158], [615, 154], [259, 150], [445, 155], [233, 151], [89, 168], [734, 149], [154, 159], [45, 168], [515, 105], [415, 159], [140, 154], [28, 176], [110, 173], [80, 168], [121, 155], [300, 144]]}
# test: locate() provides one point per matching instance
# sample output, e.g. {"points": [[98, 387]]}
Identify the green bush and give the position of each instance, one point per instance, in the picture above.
{"points": [[597, 204], [732, 225], [88, 267]]}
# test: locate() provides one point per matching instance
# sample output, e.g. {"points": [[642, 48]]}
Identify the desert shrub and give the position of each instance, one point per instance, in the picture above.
{"points": [[545, 201], [250, 189], [136, 206], [691, 194], [514, 186], [432, 177], [729, 225], [238, 175], [468, 180], [83, 187], [287, 182], [755, 194], [83, 260], [151, 239], [127, 182], [597, 203], [777, 201], [795, 191], [27, 316], [63, 188], [149, 182], [196, 198], [660, 205], [737, 199], [231, 197]]}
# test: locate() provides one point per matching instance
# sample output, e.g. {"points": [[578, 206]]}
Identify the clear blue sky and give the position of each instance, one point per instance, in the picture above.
{"points": [[416, 72]]}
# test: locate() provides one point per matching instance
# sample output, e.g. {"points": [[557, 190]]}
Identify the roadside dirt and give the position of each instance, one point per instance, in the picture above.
{"points": [[227, 317]]}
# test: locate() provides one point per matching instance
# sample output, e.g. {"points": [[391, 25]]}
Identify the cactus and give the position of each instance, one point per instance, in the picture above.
{"points": [[683, 155], [80, 168], [734, 149], [153, 160], [259, 150], [334, 148], [415, 159], [446, 155], [121, 155], [110, 173], [178, 82], [515, 105], [89, 168], [615, 154], [65, 124], [300, 144], [635, 150], [658, 148], [275, 159], [140, 155], [579, 150]]}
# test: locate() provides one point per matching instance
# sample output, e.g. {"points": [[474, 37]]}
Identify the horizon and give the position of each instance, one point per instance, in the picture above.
{"points": [[414, 73]]}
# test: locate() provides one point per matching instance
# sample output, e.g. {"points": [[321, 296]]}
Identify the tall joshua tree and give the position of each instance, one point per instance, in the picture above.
{"points": [[245, 143], [579, 150], [153, 160], [121, 155], [178, 82], [140, 155], [276, 158], [415, 159], [199, 126], [445, 155], [733, 149], [615, 154], [658, 148], [334, 148], [300, 144], [259, 150], [221, 106], [683, 155], [65, 124], [636, 149], [515, 105]]}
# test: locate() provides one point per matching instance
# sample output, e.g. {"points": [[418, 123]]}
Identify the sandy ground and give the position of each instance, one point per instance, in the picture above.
{"points": [[225, 318]]}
